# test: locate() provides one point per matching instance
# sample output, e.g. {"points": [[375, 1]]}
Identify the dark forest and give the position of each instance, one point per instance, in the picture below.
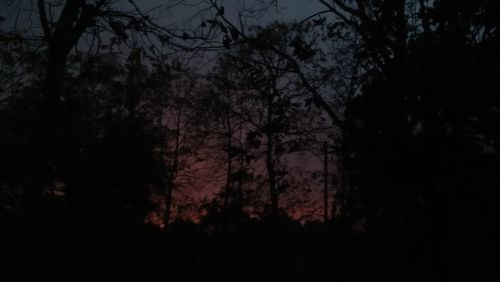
{"points": [[358, 140]]}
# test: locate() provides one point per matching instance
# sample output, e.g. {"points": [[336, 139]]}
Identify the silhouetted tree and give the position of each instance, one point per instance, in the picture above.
{"points": [[226, 105], [184, 139], [412, 140], [63, 25], [284, 122]]}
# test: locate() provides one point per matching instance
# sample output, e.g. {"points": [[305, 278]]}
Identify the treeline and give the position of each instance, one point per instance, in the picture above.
{"points": [[96, 142]]}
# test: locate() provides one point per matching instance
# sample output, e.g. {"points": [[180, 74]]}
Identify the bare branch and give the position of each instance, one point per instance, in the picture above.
{"points": [[294, 67]]}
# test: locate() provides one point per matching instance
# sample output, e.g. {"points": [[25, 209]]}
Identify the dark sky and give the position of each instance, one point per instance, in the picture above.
{"points": [[190, 15], [186, 14], [189, 12]]}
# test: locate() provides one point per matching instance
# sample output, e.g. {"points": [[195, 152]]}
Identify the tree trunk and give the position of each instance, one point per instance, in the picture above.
{"points": [[325, 188], [227, 189], [168, 204], [271, 176], [69, 29], [269, 161]]}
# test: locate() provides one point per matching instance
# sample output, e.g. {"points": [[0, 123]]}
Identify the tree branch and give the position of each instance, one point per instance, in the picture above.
{"points": [[44, 21], [295, 67]]}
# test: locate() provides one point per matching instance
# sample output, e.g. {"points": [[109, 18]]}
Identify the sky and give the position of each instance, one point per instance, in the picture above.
{"points": [[287, 10], [185, 13], [190, 14]]}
